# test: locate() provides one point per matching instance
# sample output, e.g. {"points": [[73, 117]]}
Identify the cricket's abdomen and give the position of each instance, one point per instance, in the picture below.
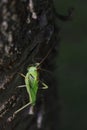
{"points": [[32, 86]]}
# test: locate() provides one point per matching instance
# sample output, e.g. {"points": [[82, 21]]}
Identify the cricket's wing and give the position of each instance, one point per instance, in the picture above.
{"points": [[32, 87]]}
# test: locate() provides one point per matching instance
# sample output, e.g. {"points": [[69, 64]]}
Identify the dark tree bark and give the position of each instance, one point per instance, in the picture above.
{"points": [[27, 33]]}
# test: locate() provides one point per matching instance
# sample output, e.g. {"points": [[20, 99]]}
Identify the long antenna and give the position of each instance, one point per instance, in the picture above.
{"points": [[46, 56]]}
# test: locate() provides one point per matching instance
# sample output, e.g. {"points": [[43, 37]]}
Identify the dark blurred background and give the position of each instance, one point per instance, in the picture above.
{"points": [[72, 61]]}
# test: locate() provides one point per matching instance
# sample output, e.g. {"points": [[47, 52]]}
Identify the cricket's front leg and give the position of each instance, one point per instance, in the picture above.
{"points": [[22, 75]]}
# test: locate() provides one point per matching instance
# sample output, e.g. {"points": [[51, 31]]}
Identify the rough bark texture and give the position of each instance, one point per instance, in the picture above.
{"points": [[27, 33]]}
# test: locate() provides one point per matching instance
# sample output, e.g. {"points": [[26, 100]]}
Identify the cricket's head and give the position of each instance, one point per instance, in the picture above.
{"points": [[37, 64], [34, 67]]}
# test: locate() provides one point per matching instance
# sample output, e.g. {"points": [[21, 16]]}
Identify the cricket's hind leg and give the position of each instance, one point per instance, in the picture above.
{"points": [[16, 112]]}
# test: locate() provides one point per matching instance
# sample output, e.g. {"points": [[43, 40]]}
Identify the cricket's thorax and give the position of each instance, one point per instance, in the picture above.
{"points": [[33, 72], [31, 81]]}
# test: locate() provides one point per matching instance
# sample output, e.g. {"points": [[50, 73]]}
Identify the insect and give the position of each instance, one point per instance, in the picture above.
{"points": [[32, 83]]}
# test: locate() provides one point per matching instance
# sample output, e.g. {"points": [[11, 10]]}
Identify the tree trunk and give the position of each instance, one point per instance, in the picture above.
{"points": [[27, 35]]}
